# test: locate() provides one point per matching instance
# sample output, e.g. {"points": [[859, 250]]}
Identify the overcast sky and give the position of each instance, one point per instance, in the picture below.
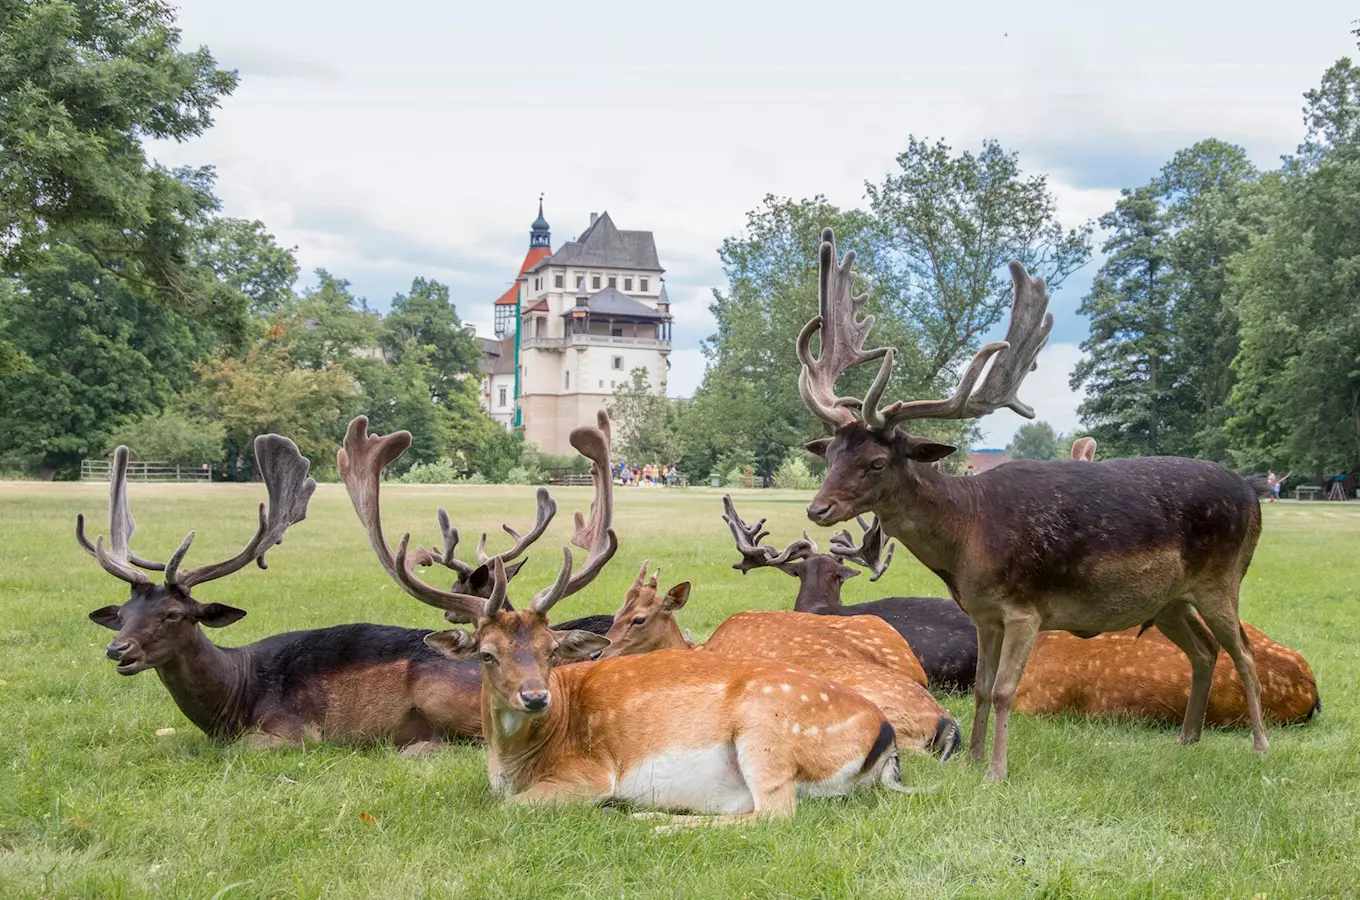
{"points": [[412, 137]]}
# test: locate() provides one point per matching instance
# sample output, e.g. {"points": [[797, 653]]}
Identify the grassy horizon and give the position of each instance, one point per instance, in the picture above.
{"points": [[94, 804]]}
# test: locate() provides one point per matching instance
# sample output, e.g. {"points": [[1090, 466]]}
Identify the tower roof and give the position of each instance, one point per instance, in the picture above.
{"points": [[604, 245], [540, 248]]}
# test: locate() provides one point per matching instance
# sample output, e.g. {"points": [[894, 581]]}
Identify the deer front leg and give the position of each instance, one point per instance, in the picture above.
{"points": [[551, 792], [1020, 632], [989, 638]]}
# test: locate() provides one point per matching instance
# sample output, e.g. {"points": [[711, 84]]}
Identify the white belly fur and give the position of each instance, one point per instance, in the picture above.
{"points": [[702, 781]]}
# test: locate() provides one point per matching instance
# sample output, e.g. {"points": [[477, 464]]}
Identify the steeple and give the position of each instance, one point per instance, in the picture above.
{"points": [[539, 235]]}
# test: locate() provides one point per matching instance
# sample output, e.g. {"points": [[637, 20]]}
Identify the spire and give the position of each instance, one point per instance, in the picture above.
{"points": [[539, 236]]}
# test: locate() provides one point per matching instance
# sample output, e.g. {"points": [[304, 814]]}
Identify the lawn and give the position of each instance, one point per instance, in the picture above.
{"points": [[94, 803]]}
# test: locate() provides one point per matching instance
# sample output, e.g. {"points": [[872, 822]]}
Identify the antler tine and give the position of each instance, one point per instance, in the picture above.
{"points": [[756, 555], [595, 534], [449, 535], [545, 599], [869, 553], [458, 608], [361, 460], [116, 557], [1012, 359], [284, 471], [543, 516], [842, 334]]}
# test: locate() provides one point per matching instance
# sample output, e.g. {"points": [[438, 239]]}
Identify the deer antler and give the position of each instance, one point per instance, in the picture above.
{"points": [[596, 533], [115, 559], [284, 472], [1084, 449], [869, 553], [842, 347], [547, 509], [361, 460], [754, 554]]}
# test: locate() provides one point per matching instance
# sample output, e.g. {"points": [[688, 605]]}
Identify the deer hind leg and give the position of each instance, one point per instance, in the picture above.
{"points": [[1184, 629], [770, 777], [1021, 631], [1220, 614], [989, 638]]}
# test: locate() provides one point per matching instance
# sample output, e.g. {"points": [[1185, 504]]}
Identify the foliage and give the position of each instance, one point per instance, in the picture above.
{"points": [[100, 355], [645, 422], [84, 84], [171, 436], [424, 319], [1035, 440], [442, 471], [244, 258], [793, 474]]}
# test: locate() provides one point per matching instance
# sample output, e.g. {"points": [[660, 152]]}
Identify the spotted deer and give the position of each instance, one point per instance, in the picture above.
{"points": [[1031, 546], [860, 652], [938, 632]]}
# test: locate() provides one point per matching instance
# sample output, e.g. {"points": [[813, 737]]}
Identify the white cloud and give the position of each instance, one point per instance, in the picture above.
{"points": [[1046, 389], [686, 373]]}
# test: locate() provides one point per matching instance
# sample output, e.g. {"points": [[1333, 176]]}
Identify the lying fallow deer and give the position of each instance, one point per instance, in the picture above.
{"points": [[938, 632], [350, 683], [1032, 546], [860, 652]]}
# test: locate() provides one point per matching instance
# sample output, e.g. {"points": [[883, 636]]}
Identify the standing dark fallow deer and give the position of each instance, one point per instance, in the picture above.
{"points": [[938, 632], [1031, 546], [350, 683]]}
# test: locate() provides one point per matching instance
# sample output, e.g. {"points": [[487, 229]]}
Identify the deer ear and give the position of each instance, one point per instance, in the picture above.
{"points": [[926, 451], [512, 568], [847, 573], [218, 615], [676, 597], [456, 643], [818, 447], [479, 579], [577, 645], [106, 616]]}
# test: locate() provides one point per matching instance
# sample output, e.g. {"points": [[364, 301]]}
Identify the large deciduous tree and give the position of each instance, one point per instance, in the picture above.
{"points": [[645, 423], [1035, 440]]}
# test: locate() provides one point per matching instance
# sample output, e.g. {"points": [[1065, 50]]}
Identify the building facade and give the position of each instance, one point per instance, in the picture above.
{"points": [[589, 315]]}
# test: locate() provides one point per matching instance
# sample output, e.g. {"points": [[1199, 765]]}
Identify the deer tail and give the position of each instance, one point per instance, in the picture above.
{"points": [[947, 740]]}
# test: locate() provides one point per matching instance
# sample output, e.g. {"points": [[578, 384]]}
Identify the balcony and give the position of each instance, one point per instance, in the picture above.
{"points": [[592, 340]]}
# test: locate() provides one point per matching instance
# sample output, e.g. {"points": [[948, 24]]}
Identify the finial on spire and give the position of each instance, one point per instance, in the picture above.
{"points": [[539, 235]]}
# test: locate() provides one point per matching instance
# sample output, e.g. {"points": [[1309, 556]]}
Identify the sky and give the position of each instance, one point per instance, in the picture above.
{"points": [[413, 137]]}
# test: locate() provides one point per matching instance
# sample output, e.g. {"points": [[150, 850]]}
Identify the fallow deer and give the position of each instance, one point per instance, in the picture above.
{"points": [[938, 632], [1031, 546], [667, 730], [861, 652]]}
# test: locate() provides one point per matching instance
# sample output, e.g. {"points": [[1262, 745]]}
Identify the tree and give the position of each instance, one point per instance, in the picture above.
{"points": [[1130, 331], [644, 422], [98, 356], [171, 436], [329, 326], [425, 318], [1034, 440], [84, 84], [244, 258]]}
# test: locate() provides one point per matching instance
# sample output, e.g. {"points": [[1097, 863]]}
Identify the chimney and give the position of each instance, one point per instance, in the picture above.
{"points": [[593, 217]]}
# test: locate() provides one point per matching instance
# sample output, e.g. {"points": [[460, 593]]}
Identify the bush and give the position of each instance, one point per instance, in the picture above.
{"points": [[172, 437], [519, 475], [794, 475], [445, 471], [476, 478]]}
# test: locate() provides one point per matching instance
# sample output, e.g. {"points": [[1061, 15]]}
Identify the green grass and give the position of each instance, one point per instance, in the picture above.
{"points": [[93, 803]]}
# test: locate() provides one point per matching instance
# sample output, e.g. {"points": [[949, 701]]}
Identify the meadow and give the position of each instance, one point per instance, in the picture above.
{"points": [[94, 803]]}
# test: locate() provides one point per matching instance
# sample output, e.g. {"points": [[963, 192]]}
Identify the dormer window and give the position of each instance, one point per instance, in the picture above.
{"points": [[627, 283], [613, 281], [557, 280], [594, 282], [580, 280], [642, 285]]}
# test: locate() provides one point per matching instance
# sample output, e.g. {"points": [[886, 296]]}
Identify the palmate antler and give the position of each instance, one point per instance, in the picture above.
{"points": [[842, 347], [284, 472], [756, 555]]}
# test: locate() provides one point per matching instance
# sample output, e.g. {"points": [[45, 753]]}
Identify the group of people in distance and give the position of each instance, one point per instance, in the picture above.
{"points": [[649, 475]]}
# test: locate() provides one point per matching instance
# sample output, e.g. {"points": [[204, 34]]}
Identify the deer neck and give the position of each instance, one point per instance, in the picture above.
{"points": [[930, 513], [520, 749], [813, 597], [208, 684], [674, 638]]}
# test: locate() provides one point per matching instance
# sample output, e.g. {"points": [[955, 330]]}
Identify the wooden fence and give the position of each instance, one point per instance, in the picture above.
{"points": [[98, 470]]}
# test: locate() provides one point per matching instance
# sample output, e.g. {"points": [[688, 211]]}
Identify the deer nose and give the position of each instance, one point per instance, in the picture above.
{"points": [[116, 649], [534, 700], [818, 510]]}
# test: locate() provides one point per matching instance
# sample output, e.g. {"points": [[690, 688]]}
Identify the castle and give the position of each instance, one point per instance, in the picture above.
{"points": [[573, 327]]}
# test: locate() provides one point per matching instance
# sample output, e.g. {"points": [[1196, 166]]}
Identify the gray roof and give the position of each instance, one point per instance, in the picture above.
{"points": [[612, 302], [499, 358], [603, 245]]}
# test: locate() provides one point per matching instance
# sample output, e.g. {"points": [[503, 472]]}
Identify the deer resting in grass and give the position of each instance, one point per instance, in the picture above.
{"points": [[1032, 546], [860, 652], [938, 632], [666, 730]]}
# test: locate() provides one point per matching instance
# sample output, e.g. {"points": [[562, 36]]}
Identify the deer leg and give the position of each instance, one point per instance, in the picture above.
{"points": [[549, 792], [989, 639], [1227, 628], [1015, 649], [1184, 629]]}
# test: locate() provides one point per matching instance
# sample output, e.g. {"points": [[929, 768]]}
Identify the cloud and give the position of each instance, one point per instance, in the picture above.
{"points": [[261, 62], [686, 373], [1046, 389]]}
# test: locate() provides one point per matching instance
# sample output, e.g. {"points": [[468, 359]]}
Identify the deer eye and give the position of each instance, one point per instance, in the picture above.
{"points": [[878, 464], [174, 615], [640, 620], [488, 658]]}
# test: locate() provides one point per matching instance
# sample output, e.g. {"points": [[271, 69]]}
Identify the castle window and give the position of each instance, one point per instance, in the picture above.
{"points": [[601, 382], [613, 281], [557, 280], [618, 364], [642, 285], [627, 284], [594, 282], [502, 397], [580, 280], [568, 381]]}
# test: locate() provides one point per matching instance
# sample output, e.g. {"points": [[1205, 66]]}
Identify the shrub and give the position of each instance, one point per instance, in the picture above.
{"points": [[172, 437], [794, 475], [445, 471], [519, 475]]}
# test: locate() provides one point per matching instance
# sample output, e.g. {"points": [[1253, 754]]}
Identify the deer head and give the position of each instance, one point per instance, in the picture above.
{"points": [[820, 575], [158, 619], [866, 456], [646, 621], [517, 648]]}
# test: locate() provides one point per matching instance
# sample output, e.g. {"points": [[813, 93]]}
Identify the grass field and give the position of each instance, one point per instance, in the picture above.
{"points": [[94, 803]]}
